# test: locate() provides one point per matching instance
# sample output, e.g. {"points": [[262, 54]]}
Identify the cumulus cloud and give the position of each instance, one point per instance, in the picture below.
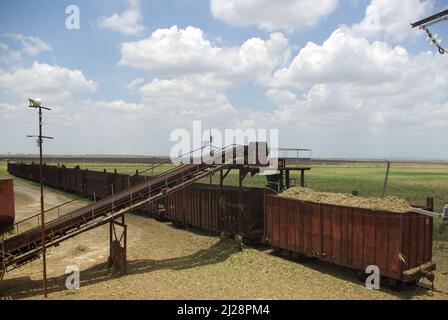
{"points": [[7, 111], [30, 45], [181, 97], [356, 93], [144, 126], [43, 80], [113, 105], [344, 57], [390, 19], [128, 22], [134, 84], [351, 87], [173, 52], [273, 15], [9, 56]]}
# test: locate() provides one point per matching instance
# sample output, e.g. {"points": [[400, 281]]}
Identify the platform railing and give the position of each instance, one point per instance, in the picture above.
{"points": [[293, 157]]}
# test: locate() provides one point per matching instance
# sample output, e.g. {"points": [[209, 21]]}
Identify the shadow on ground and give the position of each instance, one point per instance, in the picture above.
{"points": [[24, 287], [405, 292]]}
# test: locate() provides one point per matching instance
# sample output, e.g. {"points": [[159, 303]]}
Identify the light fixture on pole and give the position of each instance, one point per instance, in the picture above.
{"points": [[37, 103]]}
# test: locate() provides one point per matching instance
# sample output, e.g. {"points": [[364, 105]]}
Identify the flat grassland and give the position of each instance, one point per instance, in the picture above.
{"points": [[171, 263]]}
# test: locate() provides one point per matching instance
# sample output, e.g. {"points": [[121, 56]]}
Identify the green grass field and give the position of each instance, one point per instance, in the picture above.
{"points": [[413, 182]]}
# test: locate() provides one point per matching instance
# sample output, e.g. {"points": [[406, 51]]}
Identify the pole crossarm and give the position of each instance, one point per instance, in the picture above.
{"points": [[432, 20], [41, 137]]}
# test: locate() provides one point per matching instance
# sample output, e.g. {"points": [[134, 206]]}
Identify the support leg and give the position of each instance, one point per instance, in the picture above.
{"points": [[302, 178], [281, 181], [118, 246]]}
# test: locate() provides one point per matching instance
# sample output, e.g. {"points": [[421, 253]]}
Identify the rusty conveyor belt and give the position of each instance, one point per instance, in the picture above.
{"points": [[26, 246]]}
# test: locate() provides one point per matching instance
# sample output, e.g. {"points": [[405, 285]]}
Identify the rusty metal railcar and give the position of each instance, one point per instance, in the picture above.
{"points": [[235, 210], [400, 244], [7, 209], [120, 182], [52, 177], [97, 182]]}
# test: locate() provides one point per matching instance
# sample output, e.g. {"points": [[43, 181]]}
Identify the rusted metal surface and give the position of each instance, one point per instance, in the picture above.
{"points": [[351, 237], [75, 180], [26, 242], [118, 246], [216, 209], [7, 209], [24, 247], [208, 207]]}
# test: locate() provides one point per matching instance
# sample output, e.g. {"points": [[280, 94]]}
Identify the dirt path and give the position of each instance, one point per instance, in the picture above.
{"points": [[171, 263], [27, 202]]}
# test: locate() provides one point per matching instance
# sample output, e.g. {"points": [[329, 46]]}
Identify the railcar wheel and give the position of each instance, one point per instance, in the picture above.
{"points": [[393, 284]]}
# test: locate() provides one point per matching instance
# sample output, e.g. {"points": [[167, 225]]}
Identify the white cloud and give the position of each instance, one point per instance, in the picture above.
{"points": [[273, 15], [8, 56], [182, 99], [356, 88], [142, 127], [7, 111], [132, 85], [53, 83], [30, 45], [351, 95], [112, 106], [391, 19], [344, 57], [128, 22], [174, 52]]}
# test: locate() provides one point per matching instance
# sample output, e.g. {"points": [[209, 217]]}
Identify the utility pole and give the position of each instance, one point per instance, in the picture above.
{"points": [[37, 103]]}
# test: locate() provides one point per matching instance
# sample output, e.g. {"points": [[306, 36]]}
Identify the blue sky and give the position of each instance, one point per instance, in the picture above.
{"points": [[321, 76]]}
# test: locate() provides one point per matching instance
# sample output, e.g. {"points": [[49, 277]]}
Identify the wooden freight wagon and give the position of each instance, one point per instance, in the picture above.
{"points": [[400, 244]]}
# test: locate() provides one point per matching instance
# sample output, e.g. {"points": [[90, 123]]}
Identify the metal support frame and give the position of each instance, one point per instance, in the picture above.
{"points": [[118, 245], [281, 184], [3, 256], [96, 217], [223, 176], [302, 178], [242, 175]]}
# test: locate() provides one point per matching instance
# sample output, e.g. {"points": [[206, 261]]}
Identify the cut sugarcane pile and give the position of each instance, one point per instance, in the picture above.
{"points": [[392, 204]]}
